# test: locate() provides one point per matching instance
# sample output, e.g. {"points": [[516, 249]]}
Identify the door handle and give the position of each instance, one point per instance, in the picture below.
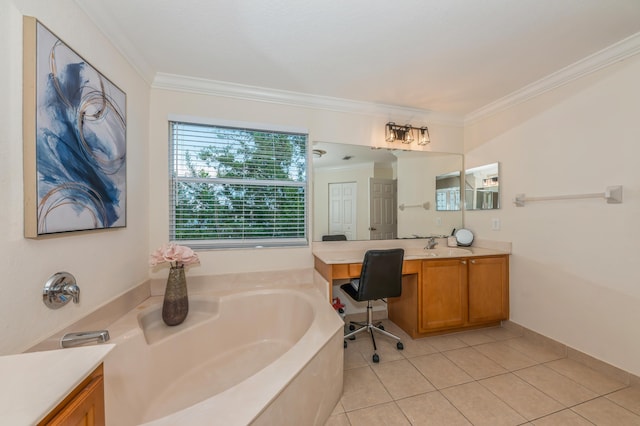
{"points": [[372, 229]]}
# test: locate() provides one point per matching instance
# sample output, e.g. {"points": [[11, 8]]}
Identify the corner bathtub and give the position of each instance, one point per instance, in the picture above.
{"points": [[254, 356]]}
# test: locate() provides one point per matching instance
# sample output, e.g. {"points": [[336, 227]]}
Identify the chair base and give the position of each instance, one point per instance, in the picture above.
{"points": [[370, 326]]}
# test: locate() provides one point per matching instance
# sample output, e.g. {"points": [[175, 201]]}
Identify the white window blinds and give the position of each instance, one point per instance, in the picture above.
{"points": [[237, 187]]}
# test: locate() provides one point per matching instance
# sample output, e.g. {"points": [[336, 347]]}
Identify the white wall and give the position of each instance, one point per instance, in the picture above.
{"points": [[106, 263], [322, 125], [574, 269]]}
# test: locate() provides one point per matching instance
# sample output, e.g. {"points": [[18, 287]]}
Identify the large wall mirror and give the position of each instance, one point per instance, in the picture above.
{"points": [[367, 193], [482, 187]]}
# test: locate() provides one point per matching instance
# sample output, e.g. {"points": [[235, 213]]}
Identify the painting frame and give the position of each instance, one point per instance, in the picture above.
{"points": [[74, 140]]}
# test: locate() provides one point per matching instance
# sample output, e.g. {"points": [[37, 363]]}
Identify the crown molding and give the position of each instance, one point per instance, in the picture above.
{"points": [[203, 86], [617, 52], [98, 13]]}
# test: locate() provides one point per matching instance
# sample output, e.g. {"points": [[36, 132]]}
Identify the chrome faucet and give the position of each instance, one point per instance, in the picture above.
{"points": [[431, 243], [75, 339]]}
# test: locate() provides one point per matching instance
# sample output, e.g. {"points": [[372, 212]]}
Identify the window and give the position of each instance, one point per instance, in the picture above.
{"points": [[237, 187]]}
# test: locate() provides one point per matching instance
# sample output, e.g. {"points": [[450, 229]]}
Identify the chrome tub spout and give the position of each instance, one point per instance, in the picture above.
{"points": [[80, 338]]}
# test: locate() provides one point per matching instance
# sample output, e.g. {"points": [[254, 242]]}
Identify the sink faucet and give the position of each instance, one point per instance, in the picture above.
{"points": [[431, 243], [75, 339]]}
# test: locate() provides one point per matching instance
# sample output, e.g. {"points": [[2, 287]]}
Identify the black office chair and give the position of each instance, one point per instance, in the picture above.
{"points": [[381, 277], [336, 237]]}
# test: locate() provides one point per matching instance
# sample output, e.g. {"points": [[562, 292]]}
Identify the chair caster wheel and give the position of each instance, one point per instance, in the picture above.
{"points": [[381, 327], [376, 358], [345, 344], [352, 327], [352, 338], [400, 346]]}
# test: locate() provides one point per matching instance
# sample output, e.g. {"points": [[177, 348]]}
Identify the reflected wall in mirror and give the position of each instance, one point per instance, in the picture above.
{"points": [[482, 187], [448, 191], [357, 191]]}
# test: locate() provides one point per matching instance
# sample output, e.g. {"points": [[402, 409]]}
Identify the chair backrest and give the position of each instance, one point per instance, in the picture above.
{"points": [[337, 237], [381, 274]]}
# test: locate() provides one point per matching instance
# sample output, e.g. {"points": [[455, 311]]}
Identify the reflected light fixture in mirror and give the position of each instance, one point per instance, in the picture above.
{"points": [[406, 134]]}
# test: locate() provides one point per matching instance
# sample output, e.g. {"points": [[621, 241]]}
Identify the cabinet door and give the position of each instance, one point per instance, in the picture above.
{"points": [[488, 289], [443, 294], [85, 407]]}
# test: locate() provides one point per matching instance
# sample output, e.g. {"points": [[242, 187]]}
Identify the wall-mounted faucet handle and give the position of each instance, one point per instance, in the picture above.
{"points": [[59, 289], [72, 290]]}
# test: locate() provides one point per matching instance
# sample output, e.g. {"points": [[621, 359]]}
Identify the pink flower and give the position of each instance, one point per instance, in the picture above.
{"points": [[175, 254]]}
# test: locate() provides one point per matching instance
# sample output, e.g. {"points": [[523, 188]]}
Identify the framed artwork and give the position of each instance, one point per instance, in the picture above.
{"points": [[74, 133]]}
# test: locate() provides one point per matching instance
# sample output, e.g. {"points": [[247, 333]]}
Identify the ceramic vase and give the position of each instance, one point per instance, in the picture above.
{"points": [[176, 303]]}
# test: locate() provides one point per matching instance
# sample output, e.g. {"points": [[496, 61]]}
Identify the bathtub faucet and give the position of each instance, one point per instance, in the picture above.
{"points": [[75, 339]]}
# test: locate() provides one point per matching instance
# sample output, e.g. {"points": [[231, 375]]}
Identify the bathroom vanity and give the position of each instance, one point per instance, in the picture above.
{"points": [[453, 294], [443, 290], [57, 387]]}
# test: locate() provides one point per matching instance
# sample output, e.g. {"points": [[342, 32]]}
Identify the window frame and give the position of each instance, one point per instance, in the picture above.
{"points": [[245, 242]]}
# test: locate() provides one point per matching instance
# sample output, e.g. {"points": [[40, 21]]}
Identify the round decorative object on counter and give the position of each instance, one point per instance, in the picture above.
{"points": [[464, 237]]}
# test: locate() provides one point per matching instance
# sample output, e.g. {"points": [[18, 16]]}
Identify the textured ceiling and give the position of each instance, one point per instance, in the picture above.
{"points": [[447, 56]]}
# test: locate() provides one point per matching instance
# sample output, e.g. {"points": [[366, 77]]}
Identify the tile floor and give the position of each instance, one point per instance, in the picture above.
{"points": [[482, 377]]}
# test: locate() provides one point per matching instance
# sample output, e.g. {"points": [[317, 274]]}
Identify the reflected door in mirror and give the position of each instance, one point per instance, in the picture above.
{"points": [[343, 209], [383, 198]]}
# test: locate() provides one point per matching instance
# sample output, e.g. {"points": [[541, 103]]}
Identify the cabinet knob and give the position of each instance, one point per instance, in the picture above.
{"points": [[464, 262], [473, 261]]}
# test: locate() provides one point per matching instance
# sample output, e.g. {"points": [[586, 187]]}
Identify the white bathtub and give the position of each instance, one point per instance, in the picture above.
{"points": [[254, 356]]}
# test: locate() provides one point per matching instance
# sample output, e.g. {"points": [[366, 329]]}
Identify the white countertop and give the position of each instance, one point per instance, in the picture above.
{"points": [[34, 383], [355, 254]]}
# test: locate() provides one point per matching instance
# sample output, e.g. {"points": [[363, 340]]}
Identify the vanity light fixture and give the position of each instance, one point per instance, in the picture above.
{"points": [[406, 134]]}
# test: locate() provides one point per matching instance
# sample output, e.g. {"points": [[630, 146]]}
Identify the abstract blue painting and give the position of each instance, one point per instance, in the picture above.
{"points": [[80, 142]]}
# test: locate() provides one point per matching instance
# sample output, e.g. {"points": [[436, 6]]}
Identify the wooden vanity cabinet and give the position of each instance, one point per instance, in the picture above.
{"points": [[488, 289], [453, 294], [83, 406], [443, 297]]}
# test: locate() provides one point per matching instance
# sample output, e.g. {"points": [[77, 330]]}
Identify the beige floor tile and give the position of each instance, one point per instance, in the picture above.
{"points": [[402, 379], [533, 350], [339, 408], [499, 333], [362, 388], [628, 398], [446, 342], [353, 358], [505, 356], [521, 396], [480, 406], [555, 385], [474, 363], [604, 412], [562, 418], [393, 328], [381, 415], [474, 337], [431, 409], [587, 377], [337, 420], [413, 348], [440, 371], [387, 350]]}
